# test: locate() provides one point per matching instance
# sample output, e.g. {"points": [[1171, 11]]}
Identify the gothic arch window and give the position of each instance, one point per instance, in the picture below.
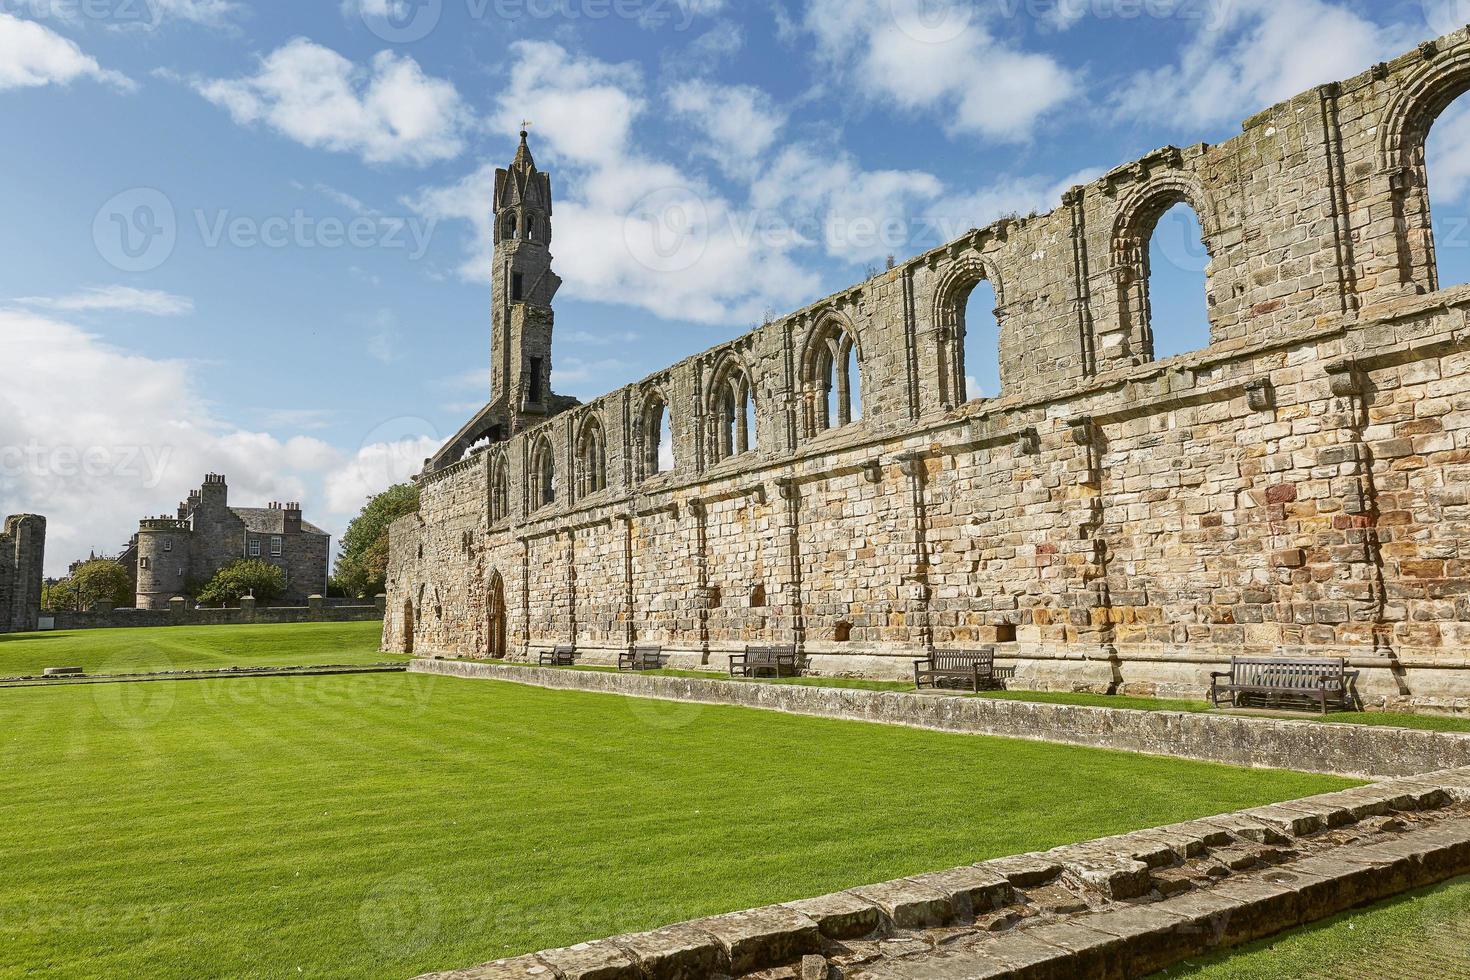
{"points": [[967, 321], [530, 230], [1161, 252], [591, 458], [831, 377], [543, 474], [1417, 155], [655, 434], [508, 226], [499, 489], [733, 410]]}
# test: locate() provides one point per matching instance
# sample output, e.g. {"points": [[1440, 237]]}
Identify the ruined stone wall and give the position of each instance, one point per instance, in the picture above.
{"points": [[1114, 522], [22, 572]]}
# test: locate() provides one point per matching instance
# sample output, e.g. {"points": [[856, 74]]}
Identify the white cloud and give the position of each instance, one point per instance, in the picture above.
{"points": [[629, 228], [95, 437], [954, 214], [32, 55], [936, 55], [1252, 56], [386, 112], [376, 467], [210, 13], [115, 299], [1449, 154], [738, 122]]}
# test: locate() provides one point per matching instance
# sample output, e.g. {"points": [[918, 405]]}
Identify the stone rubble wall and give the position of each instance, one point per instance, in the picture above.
{"points": [[1113, 522], [22, 572], [327, 612]]}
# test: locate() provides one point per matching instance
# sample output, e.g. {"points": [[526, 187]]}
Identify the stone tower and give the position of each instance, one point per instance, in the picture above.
{"points": [[522, 288], [22, 572]]}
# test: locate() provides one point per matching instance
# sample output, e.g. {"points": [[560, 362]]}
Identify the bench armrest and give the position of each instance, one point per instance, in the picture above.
{"points": [[1221, 673]]}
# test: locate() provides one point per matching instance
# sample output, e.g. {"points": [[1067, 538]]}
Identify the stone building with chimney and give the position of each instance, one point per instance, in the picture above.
{"points": [[173, 555]]}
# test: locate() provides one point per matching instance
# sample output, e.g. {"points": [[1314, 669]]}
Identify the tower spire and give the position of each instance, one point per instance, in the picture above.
{"points": [[523, 159]]}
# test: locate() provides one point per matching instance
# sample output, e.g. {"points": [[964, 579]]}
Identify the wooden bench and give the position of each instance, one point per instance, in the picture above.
{"points": [[562, 656], [641, 658], [1273, 680], [957, 668], [775, 661]]}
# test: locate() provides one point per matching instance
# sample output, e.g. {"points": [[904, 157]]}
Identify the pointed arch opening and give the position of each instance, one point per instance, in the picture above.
{"points": [[499, 489], [979, 343], [1162, 254], [543, 474], [495, 626], [832, 377], [655, 435], [733, 411], [591, 457], [1447, 175]]}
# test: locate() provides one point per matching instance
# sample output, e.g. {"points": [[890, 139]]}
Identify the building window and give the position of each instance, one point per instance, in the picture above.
{"points": [[277, 546], [168, 544], [657, 434], [591, 458], [254, 547], [516, 287], [499, 491], [734, 410], [543, 474], [833, 386], [143, 563]]}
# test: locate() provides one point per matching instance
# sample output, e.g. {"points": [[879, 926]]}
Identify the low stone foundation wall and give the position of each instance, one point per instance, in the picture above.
{"points": [[1383, 684], [1121, 906], [180, 615], [1358, 750]]}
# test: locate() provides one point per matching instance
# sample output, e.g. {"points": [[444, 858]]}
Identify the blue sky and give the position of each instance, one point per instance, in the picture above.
{"points": [[251, 237]]}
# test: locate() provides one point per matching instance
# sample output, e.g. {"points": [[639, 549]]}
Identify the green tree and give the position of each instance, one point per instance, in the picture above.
{"points": [[241, 578], [362, 567], [99, 580]]}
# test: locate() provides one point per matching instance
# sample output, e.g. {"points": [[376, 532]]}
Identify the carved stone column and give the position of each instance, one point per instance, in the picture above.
{"points": [[916, 582], [790, 492]]}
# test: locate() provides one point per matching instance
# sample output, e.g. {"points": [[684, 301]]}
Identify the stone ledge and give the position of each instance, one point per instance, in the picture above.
{"points": [[1366, 751]]}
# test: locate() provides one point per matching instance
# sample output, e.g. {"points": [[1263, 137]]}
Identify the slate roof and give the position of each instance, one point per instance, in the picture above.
{"points": [[270, 520]]}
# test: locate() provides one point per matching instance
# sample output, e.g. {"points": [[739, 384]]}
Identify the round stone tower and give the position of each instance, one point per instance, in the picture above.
{"points": [[163, 560]]}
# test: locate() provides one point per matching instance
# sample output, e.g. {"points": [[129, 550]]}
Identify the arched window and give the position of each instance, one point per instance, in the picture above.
{"points": [[508, 226], [1163, 259], [499, 489], [591, 458], [656, 437], [732, 406], [530, 230], [978, 341], [1179, 317], [543, 474], [832, 377], [1448, 178], [967, 330]]}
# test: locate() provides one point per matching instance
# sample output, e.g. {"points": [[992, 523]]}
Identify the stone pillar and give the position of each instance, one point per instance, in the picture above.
{"points": [[702, 591], [916, 582], [177, 608], [314, 608], [790, 492], [247, 608]]}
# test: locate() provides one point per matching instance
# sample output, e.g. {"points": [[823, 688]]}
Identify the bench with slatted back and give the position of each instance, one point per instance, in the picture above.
{"points": [[641, 658], [774, 661], [957, 668], [562, 656], [1273, 680]]}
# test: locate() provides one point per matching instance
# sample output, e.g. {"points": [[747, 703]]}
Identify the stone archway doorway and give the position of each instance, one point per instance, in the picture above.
{"points": [[496, 609]]}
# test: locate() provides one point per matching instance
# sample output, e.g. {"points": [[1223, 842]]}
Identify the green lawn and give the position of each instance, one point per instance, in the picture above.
{"points": [[1421, 934], [384, 825], [123, 651]]}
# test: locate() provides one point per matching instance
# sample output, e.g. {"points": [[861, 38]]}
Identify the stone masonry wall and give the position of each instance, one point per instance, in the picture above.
{"points": [[1114, 522], [22, 572]]}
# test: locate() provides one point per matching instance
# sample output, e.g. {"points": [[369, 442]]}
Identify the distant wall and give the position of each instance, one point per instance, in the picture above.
{"points": [[318, 611]]}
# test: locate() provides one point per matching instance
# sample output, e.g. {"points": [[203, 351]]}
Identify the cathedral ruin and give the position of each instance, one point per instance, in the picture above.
{"points": [[1110, 521]]}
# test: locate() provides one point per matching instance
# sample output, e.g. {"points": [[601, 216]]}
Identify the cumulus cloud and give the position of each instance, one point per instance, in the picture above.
{"points": [[738, 123], [114, 299], [95, 437], [630, 228], [32, 55], [938, 56], [388, 111], [1251, 56]]}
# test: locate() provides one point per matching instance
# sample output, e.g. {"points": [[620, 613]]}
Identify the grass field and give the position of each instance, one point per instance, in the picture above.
{"points": [[384, 825], [123, 651], [1418, 935]]}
